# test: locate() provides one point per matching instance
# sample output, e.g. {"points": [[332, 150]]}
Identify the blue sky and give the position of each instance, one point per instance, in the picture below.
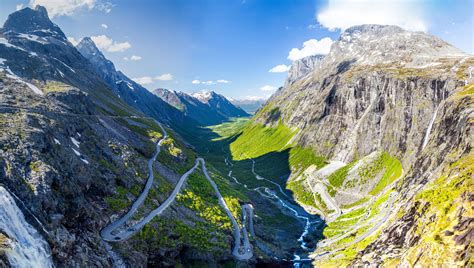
{"points": [[230, 46]]}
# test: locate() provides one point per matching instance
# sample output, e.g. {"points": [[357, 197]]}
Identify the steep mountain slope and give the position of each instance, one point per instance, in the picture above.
{"points": [[391, 110], [220, 104], [35, 48], [73, 157], [128, 90], [194, 108]]}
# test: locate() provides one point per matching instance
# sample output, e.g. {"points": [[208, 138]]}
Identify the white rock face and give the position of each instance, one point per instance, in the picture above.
{"points": [[203, 96], [354, 100], [302, 67], [380, 44]]}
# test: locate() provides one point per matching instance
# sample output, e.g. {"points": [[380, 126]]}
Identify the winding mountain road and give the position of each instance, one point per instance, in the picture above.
{"points": [[115, 232], [241, 253], [270, 194], [319, 188], [108, 233], [327, 242]]}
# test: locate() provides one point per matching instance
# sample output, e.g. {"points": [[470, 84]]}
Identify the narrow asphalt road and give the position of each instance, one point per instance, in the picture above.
{"points": [[388, 209], [319, 187], [108, 233], [114, 233], [241, 253]]}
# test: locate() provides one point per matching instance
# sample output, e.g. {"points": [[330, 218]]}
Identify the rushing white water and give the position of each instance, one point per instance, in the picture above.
{"points": [[27, 247], [308, 223], [428, 131], [297, 260]]}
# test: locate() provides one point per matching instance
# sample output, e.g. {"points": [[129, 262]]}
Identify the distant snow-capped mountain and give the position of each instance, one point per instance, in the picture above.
{"points": [[205, 107]]}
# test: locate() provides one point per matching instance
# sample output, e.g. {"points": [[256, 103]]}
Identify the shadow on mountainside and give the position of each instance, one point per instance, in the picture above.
{"points": [[275, 225]]}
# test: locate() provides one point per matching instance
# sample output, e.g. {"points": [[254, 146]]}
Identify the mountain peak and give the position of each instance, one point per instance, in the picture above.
{"points": [[87, 44], [302, 67], [204, 95], [89, 50], [42, 11], [373, 28], [372, 44], [32, 21]]}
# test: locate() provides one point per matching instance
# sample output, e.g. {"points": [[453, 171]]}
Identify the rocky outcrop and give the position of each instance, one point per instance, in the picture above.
{"points": [[33, 47], [433, 224], [74, 154], [382, 88], [369, 95], [302, 67]]}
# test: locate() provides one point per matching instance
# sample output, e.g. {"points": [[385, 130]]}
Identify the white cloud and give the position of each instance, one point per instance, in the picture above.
{"points": [[63, 7], [145, 80], [125, 58], [18, 7], [72, 40], [268, 88], [119, 47], [282, 68], [210, 82], [69, 7], [105, 26], [164, 77], [254, 98], [135, 57], [342, 14], [105, 43], [105, 7], [102, 41], [311, 47]]}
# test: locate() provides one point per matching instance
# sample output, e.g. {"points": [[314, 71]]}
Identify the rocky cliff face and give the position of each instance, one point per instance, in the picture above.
{"points": [[384, 89], [358, 93], [74, 156], [52, 147], [302, 67]]}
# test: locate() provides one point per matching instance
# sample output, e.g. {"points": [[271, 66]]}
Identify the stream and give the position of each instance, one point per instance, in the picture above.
{"points": [[298, 259]]}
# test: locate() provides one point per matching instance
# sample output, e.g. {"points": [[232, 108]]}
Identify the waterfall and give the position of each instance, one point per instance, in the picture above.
{"points": [[428, 131], [27, 247]]}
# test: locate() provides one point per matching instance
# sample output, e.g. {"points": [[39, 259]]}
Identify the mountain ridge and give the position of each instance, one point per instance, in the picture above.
{"points": [[207, 108], [75, 153], [376, 137], [380, 107], [131, 92]]}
